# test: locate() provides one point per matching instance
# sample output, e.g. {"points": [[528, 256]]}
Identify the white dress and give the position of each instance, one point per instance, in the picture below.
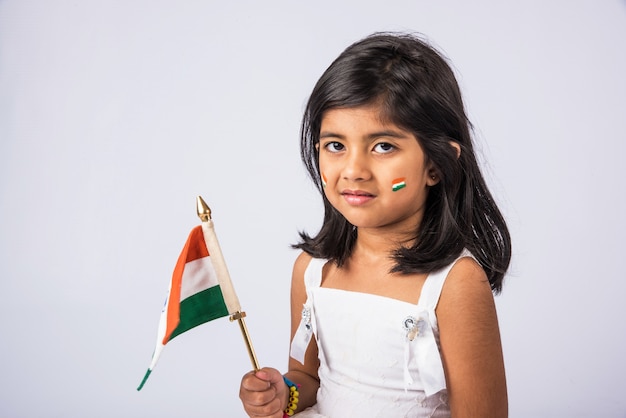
{"points": [[379, 357]]}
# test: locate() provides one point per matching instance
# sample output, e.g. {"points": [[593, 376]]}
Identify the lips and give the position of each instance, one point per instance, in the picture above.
{"points": [[357, 197]]}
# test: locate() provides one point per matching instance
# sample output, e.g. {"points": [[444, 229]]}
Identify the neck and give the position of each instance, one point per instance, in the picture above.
{"points": [[378, 246]]}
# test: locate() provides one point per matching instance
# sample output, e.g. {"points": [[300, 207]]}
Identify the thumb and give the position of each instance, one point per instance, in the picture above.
{"points": [[270, 375]]}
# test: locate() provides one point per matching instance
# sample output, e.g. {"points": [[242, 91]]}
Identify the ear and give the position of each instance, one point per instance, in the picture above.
{"points": [[433, 174], [457, 147], [433, 177]]}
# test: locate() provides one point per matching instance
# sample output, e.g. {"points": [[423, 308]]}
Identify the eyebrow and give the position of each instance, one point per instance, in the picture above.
{"points": [[372, 136]]}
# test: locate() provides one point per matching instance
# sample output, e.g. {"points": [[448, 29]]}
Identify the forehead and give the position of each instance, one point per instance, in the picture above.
{"points": [[358, 118]]}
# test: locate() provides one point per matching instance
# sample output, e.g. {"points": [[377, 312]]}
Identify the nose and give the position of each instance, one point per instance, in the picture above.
{"points": [[356, 167]]}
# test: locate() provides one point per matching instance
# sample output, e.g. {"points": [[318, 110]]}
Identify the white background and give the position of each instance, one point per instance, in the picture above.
{"points": [[114, 115]]}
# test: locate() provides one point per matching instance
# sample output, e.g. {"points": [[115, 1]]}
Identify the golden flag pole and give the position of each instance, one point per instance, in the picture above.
{"points": [[215, 252]]}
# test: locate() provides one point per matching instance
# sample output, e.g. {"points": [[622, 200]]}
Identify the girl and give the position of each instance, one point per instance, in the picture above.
{"points": [[392, 301]]}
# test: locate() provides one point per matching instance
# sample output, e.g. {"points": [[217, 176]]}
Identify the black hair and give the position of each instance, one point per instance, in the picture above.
{"points": [[417, 91]]}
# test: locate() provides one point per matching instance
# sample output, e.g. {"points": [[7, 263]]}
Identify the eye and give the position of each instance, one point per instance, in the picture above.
{"points": [[384, 148], [334, 146]]}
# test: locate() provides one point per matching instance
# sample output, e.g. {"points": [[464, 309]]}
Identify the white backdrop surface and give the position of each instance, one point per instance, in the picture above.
{"points": [[115, 115]]}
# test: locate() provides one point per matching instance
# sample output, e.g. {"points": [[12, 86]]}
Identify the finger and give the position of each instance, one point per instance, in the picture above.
{"points": [[271, 409], [258, 398], [270, 375], [252, 382]]}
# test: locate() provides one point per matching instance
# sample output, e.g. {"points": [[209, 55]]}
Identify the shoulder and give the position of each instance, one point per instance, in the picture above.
{"points": [[466, 278], [466, 302], [299, 268], [301, 264]]}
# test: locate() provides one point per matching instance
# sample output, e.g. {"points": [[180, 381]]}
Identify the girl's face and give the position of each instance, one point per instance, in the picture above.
{"points": [[375, 173]]}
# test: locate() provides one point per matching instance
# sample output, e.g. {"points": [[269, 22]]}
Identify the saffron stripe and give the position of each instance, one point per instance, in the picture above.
{"points": [[194, 248]]}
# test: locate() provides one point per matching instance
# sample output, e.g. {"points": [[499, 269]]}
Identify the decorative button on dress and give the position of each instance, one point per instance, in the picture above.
{"points": [[379, 357]]}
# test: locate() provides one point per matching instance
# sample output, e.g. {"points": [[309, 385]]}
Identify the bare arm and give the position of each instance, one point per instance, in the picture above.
{"points": [[304, 375], [470, 344], [264, 393]]}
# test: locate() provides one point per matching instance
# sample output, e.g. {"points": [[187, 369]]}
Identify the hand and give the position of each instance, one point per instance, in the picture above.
{"points": [[263, 393]]}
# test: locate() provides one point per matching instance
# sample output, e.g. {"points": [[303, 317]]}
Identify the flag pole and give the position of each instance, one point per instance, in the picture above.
{"points": [[204, 213]]}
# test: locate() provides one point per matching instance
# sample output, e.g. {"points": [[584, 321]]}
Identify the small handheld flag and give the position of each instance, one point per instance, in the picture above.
{"points": [[200, 290]]}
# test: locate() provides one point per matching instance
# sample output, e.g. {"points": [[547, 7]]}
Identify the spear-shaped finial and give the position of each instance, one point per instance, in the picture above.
{"points": [[204, 213]]}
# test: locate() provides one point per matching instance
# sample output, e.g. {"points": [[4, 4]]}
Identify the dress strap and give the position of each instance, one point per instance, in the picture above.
{"points": [[431, 290], [422, 334], [313, 274]]}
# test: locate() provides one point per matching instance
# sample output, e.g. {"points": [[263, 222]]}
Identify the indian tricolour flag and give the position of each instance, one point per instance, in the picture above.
{"points": [[398, 184], [200, 290]]}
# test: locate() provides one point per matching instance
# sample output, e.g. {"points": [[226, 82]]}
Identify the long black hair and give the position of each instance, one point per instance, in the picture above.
{"points": [[418, 92]]}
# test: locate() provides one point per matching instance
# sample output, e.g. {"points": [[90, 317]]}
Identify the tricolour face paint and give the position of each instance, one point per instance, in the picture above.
{"points": [[323, 180], [398, 184]]}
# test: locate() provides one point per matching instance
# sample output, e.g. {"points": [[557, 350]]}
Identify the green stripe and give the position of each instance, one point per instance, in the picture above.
{"points": [[398, 186], [202, 307], [143, 382]]}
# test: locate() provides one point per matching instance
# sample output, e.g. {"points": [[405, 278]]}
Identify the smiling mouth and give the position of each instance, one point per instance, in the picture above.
{"points": [[356, 193], [357, 197]]}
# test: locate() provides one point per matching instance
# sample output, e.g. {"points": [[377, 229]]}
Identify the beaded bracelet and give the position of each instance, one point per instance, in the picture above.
{"points": [[292, 405]]}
